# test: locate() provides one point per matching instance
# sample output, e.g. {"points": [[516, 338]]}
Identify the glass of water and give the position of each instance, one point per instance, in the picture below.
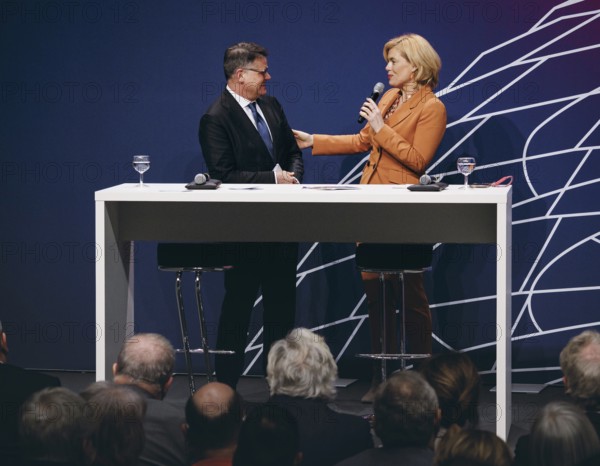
{"points": [[466, 165], [141, 164]]}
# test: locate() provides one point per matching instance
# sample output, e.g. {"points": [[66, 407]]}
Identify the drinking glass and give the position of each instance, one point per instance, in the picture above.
{"points": [[141, 164], [466, 165]]}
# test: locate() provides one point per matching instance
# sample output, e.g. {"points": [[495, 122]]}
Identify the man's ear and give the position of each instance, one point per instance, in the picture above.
{"points": [[115, 369], [168, 384], [239, 75]]}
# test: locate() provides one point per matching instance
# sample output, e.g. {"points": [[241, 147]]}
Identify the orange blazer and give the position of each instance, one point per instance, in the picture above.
{"points": [[403, 148]]}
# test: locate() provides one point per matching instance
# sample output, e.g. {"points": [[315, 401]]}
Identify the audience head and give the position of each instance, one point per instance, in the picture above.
{"points": [[471, 447], [213, 418], [456, 382], [406, 411], [51, 426], [94, 388], [146, 360], [562, 435], [268, 437], [301, 365], [580, 363], [3, 345], [114, 415]]}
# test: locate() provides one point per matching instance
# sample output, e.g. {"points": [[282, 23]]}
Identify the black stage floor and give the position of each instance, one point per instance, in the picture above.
{"points": [[254, 390]]}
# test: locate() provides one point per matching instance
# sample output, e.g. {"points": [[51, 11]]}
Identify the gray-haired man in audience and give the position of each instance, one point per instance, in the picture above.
{"points": [[580, 363], [146, 363]]}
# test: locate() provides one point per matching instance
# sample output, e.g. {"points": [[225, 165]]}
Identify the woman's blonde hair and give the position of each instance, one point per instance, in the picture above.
{"points": [[419, 53]]}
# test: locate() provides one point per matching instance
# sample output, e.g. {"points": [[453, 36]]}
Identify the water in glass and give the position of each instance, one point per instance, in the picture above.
{"points": [[466, 165], [141, 164]]}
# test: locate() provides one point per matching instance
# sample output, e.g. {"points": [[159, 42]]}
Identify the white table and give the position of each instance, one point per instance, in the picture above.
{"points": [[366, 213]]}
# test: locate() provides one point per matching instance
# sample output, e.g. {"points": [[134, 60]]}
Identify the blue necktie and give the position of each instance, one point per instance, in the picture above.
{"points": [[261, 125]]}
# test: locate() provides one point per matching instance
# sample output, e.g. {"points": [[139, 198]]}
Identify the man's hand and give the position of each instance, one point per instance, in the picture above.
{"points": [[284, 177]]}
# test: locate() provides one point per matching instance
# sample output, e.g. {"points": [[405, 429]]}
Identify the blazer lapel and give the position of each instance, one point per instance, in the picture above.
{"points": [[407, 107], [386, 106], [247, 126], [238, 113]]}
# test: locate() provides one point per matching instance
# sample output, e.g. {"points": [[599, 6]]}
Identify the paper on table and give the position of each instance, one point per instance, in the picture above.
{"points": [[337, 187]]}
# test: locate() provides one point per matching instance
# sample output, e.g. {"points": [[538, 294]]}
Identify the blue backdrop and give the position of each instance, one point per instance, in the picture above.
{"points": [[87, 84]]}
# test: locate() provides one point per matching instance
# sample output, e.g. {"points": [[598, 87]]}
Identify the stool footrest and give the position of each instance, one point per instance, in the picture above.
{"points": [[390, 271], [389, 356], [201, 351], [215, 268]]}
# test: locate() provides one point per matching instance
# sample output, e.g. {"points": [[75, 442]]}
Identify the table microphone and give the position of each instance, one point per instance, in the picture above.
{"points": [[429, 179], [425, 179], [203, 181], [201, 178]]}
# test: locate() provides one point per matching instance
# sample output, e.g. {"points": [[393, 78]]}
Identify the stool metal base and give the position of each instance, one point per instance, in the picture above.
{"points": [[396, 260], [187, 350], [201, 351], [391, 271]]}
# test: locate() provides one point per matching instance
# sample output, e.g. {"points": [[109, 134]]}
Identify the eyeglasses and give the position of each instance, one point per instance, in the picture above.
{"points": [[263, 72]]}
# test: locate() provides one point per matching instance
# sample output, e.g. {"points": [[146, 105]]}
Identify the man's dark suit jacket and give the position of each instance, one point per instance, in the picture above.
{"points": [[235, 153], [165, 441], [233, 149], [16, 386], [326, 436], [406, 456]]}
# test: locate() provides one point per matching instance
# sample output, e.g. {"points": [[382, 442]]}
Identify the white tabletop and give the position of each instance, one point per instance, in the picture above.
{"points": [[173, 192]]}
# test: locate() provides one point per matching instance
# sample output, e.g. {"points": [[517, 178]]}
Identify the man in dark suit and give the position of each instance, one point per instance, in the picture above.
{"points": [[16, 386], [145, 364], [245, 138], [406, 418], [213, 417]]}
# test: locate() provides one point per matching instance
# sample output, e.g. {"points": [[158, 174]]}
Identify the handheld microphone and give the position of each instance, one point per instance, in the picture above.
{"points": [[377, 90], [201, 178]]}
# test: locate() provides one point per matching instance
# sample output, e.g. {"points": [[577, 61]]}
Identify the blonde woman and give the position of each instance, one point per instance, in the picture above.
{"points": [[403, 132]]}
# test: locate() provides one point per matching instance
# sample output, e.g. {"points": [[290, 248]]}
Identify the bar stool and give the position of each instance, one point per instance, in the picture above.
{"points": [[197, 258], [393, 259]]}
